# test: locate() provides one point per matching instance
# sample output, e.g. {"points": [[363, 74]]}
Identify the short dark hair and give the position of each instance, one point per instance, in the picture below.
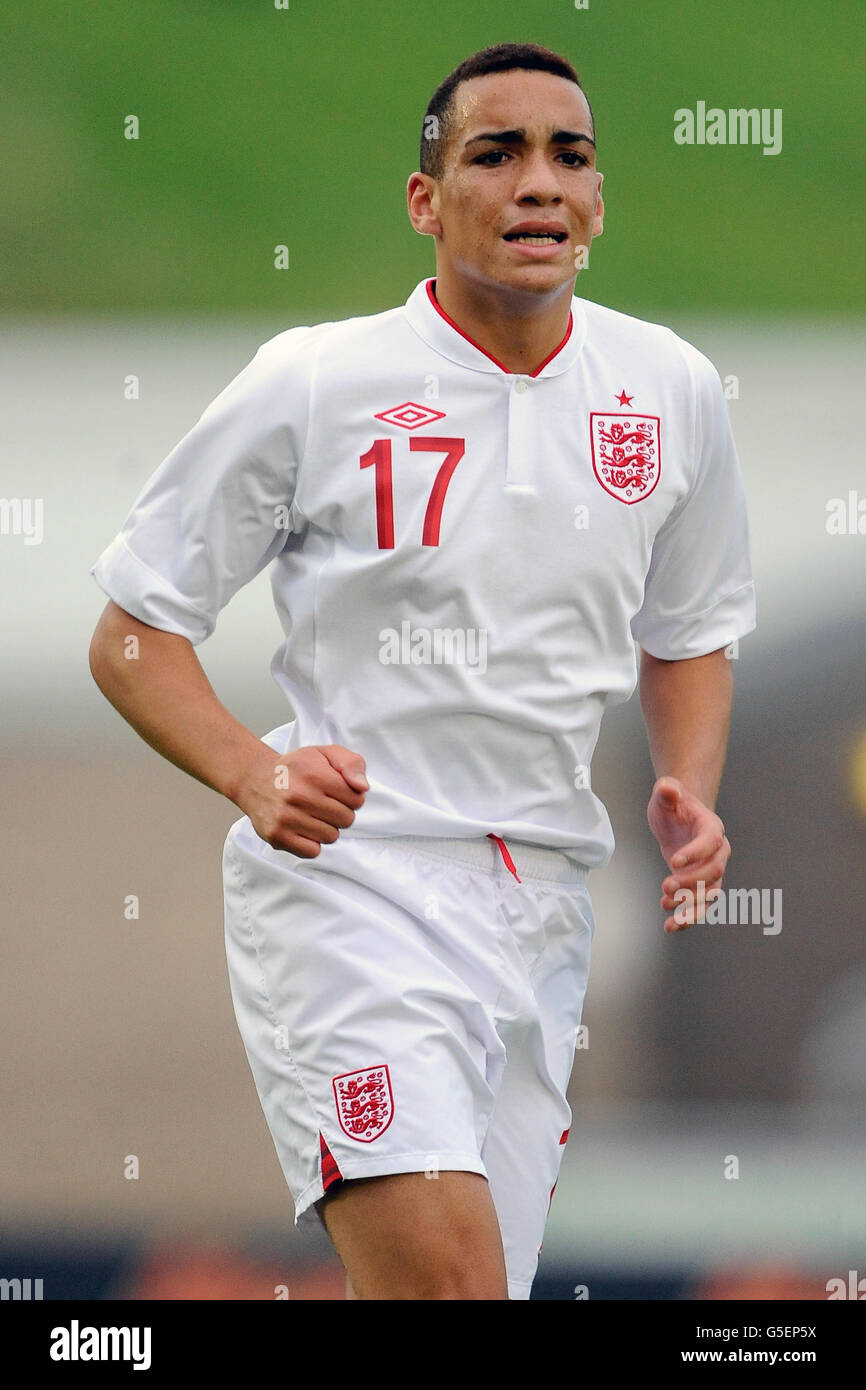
{"points": [[501, 58]]}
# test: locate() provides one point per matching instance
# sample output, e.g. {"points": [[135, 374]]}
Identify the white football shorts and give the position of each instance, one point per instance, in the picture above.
{"points": [[412, 1005]]}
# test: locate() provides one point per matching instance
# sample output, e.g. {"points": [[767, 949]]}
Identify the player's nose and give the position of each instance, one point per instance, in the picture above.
{"points": [[538, 180]]}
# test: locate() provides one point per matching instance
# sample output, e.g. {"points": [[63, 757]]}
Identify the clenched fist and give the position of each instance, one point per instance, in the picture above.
{"points": [[300, 801]]}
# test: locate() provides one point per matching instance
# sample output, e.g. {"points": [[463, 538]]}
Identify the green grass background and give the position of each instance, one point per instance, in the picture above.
{"points": [[262, 126]]}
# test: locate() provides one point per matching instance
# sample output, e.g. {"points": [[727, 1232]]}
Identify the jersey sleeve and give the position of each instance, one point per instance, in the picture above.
{"points": [[220, 507], [699, 593]]}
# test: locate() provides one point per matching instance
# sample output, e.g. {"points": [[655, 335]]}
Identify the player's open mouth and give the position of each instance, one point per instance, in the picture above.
{"points": [[536, 238]]}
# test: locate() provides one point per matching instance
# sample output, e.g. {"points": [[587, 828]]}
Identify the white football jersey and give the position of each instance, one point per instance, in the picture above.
{"points": [[462, 557]]}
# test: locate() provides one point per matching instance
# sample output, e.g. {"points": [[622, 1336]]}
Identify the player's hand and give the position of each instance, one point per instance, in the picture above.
{"points": [[302, 800], [694, 845]]}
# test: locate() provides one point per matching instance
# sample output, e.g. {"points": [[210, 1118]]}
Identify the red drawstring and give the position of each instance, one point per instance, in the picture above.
{"points": [[503, 850]]}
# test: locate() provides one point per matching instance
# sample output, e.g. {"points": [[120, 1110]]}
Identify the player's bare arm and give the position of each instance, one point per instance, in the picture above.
{"points": [[296, 801], [687, 710]]}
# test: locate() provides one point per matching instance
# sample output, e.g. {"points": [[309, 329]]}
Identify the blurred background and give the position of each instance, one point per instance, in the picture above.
{"points": [[717, 1149]]}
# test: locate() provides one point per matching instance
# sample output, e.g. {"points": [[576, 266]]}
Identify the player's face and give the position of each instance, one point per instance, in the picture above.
{"points": [[520, 155]]}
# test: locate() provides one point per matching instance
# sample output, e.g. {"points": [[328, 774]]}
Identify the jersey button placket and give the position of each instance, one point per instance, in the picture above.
{"points": [[519, 470]]}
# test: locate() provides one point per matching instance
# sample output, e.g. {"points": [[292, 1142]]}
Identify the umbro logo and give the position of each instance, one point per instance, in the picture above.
{"points": [[409, 415]]}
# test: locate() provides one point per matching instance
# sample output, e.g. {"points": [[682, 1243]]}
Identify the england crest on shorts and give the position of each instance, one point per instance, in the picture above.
{"points": [[365, 1102], [626, 454]]}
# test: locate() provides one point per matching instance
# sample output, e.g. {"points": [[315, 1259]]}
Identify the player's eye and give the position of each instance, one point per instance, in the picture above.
{"points": [[493, 158], [490, 156]]}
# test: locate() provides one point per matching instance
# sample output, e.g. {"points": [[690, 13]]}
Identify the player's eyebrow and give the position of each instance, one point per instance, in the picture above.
{"points": [[517, 137]]}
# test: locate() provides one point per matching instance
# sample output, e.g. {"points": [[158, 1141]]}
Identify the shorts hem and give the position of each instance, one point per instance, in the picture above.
{"points": [[518, 1290], [384, 1167]]}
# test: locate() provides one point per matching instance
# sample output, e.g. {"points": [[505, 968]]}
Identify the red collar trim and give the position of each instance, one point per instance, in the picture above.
{"points": [[431, 295]]}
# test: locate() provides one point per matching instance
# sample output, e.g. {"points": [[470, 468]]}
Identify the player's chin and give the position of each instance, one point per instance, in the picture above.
{"points": [[536, 275]]}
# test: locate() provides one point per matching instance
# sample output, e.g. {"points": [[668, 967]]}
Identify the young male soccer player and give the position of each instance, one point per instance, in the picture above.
{"points": [[472, 503]]}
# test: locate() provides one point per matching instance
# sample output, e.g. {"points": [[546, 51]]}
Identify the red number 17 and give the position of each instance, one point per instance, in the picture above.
{"points": [[380, 458]]}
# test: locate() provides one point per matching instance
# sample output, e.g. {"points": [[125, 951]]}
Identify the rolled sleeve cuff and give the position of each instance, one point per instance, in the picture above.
{"points": [[680, 636], [148, 596]]}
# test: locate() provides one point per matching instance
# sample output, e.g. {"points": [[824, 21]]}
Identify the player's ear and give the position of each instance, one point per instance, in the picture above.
{"points": [[421, 201], [598, 223]]}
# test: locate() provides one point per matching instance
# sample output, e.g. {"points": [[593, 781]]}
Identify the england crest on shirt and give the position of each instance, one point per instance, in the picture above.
{"points": [[626, 454]]}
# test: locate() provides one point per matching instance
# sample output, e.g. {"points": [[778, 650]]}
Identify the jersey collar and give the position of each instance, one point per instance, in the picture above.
{"points": [[431, 323]]}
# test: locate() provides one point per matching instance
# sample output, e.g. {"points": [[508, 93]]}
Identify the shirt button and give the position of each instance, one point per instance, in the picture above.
{"points": [[521, 386]]}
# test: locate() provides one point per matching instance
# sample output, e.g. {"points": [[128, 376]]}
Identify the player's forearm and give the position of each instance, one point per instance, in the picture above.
{"points": [[160, 688], [687, 710]]}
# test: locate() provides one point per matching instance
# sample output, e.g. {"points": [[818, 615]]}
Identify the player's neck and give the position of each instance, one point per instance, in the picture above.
{"points": [[518, 331]]}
